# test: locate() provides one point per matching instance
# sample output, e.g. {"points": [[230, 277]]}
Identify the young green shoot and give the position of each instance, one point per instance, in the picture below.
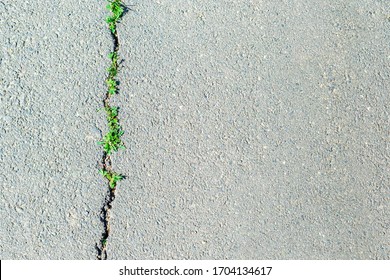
{"points": [[112, 72], [111, 141], [112, 177], [116, 9]]}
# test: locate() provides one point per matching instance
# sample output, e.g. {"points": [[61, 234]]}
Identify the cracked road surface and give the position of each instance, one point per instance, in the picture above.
{"points": [[254, 130]]}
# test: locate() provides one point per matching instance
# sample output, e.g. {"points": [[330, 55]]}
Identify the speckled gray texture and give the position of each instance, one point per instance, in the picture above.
{"points": [[53, 61], [254, 129]]}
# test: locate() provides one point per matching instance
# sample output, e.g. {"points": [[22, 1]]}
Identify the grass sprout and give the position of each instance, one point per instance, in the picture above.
{"points": [[116, 9], [111, 141], [112, 72], [112, 177]]}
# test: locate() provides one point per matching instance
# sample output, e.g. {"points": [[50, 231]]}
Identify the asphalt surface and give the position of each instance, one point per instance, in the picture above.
{"points": [[254, 130], [53, 61]]}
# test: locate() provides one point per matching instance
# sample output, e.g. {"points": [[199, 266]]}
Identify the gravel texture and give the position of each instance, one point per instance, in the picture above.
{"points": [[254, 129], [53, 60]]}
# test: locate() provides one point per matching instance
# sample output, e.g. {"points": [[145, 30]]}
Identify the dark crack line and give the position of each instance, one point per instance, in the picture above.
{"points": [[105, 213], [118, 9]]}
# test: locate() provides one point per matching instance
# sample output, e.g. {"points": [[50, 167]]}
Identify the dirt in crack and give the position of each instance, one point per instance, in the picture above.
{"points": [[111, 141]]}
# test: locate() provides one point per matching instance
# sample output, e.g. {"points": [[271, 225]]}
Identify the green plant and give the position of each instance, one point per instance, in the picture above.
{"points": [[116, 9], [112, 72], [112, 177], [111, 141]]}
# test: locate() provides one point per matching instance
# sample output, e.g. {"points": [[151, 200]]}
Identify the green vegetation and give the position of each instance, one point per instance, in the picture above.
{"points": [[112, 72], [112, 140], [112, 177], [116, 9]]}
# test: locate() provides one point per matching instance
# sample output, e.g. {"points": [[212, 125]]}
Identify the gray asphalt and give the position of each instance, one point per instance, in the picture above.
{"points": [[254, 130], [53, 61]]}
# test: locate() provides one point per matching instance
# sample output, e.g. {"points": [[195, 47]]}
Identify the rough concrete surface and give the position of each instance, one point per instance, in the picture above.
{"points": [[254, 130], [53, 60]]}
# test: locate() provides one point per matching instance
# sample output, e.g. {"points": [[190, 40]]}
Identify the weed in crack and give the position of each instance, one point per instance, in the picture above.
{"points": [[111, 141], [112, 177], [117, 10]]}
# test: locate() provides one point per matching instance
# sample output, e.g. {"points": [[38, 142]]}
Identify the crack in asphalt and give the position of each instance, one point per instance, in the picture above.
{"points": [[106, 161]]}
